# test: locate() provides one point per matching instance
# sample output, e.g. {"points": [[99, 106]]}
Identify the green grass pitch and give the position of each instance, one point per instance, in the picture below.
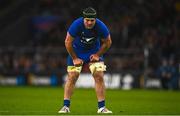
{"points": [[48, 100]]}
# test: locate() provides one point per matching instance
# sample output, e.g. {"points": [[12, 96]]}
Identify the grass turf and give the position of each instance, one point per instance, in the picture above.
{"points": [[48, 100]]}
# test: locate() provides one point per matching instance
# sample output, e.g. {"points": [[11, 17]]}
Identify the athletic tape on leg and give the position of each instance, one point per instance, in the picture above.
{"points": [[74, 69], [97, 66]]}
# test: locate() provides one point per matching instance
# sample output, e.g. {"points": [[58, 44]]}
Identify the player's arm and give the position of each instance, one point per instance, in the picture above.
{"points": [[69, 48], [106, 44], [68, 44]]}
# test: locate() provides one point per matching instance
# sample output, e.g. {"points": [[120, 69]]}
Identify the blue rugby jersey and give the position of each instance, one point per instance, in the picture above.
{"points": [[87, 41]]}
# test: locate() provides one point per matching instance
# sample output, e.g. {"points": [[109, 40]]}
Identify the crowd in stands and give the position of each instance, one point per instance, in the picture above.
{"points": [[144, 34]]}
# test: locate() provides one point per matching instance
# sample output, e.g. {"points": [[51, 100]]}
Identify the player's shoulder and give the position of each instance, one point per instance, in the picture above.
{"points": [[98, 21], [100, 24], [78, 21]]}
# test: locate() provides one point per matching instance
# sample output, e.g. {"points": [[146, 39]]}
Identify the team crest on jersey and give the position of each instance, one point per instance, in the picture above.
{"points": [[87, 40]]}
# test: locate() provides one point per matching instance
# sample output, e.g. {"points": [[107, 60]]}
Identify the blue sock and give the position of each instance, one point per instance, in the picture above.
{"points": [[101, 104], [67, 102]]}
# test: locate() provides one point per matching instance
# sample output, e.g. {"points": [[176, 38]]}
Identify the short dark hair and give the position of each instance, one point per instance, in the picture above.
{"points": [[89, 13]]}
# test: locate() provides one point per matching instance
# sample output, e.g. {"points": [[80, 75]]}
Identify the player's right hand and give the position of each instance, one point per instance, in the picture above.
{"points": [[78, 62]]}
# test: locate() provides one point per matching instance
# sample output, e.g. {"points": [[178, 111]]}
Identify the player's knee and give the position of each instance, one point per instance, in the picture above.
{"points": [[98, 77], [72, 77], [71, 81]]}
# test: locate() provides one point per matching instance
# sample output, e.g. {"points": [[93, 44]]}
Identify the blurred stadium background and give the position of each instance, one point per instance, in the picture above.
{"points": [[145, 42], [145, 54]]}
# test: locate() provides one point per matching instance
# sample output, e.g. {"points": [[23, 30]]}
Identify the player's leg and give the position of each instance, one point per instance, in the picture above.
{"points": [[99, 85], [70, 83], [73, 74], [97, 69]]}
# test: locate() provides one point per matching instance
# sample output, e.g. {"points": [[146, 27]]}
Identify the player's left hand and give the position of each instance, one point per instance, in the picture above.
{"points": [[94, 58]]}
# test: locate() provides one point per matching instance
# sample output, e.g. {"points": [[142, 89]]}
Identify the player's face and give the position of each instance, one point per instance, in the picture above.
{"points": [[89, 22]]}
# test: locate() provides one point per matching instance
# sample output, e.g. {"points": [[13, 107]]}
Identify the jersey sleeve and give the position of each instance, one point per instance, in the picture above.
{"points": [[73, 29], [103, 30]]}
